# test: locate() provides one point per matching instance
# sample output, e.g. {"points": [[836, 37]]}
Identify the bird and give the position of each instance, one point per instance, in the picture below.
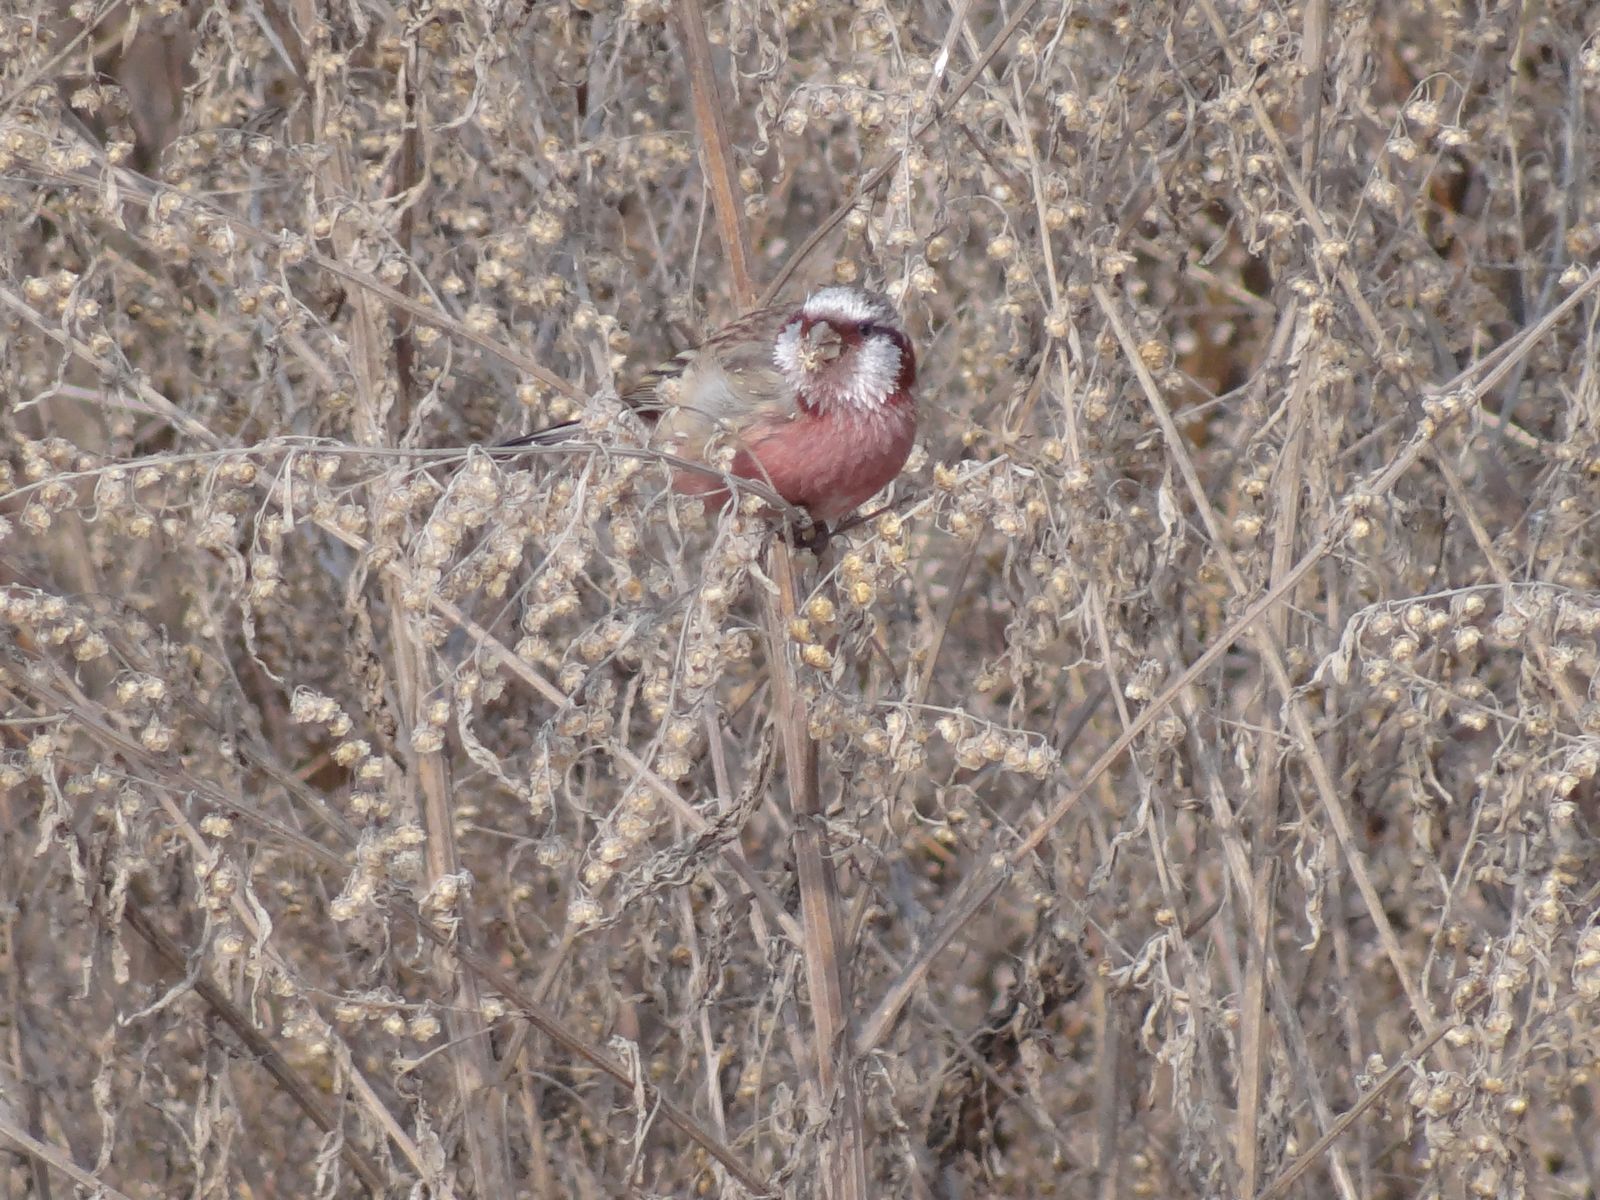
{"points": [[817, 402]]}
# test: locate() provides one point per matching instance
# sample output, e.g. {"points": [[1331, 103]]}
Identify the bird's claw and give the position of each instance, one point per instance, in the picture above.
{"points": [[807, 536]]}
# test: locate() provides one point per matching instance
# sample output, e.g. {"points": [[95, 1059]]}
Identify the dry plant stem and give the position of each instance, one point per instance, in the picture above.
{"points": [[19, 1083], [1314, 58], [1411, 1061], [1467, 389], [819, 899], [710, 1060], [1253, 1034], [845, 1153], [264, 1052], [1236, 861], [43, 1151], [406, 190], [1268, 647], [1252, 1002], [482, 1108], [1108, 1165], [427, 774], [542, 1182], [716, 148], [1109, 1098]]}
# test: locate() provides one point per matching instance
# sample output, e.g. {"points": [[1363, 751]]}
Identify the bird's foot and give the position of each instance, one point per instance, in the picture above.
{"points": [[807, 536]]}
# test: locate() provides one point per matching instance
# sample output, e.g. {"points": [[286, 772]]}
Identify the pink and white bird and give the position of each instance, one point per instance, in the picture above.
{"points": [[815, 402]]}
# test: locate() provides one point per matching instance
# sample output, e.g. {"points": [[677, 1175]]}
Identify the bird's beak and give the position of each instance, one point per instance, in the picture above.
{"points": [[820, 346]]}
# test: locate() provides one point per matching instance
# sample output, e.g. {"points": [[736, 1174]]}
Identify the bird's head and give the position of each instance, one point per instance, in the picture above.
{"points": [[844, 351]]}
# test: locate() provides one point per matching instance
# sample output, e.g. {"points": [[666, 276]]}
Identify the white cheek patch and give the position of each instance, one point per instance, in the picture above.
{"points": [[874, 371], [786, 354]]}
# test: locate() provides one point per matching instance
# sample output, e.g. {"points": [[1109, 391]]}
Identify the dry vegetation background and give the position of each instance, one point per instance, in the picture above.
{"points": [[1204, 792]]}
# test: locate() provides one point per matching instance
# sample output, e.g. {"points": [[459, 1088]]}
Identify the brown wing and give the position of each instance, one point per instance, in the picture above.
{"points": [[721, 386], [706, 389]]}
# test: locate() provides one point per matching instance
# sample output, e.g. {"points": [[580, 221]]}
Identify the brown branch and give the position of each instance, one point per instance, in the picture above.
{"points": [[546, 1023], [42, 1151], [819, 904], [259, 1045], [716, 150], [1280, 1186]]}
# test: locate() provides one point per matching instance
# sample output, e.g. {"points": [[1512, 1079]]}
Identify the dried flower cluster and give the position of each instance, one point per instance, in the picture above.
{"points": [[1215, 707]]}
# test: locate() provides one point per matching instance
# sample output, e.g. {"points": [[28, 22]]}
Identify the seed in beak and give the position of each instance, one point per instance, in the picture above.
{"points": [[820, 346]]}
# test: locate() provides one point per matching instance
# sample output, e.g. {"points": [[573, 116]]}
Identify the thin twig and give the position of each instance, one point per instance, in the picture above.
{"points": [[45, 1152], [261, 1048], [1280, 1186]]}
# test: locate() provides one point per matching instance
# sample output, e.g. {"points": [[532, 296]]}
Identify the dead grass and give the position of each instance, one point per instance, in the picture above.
{"points": [[1187, 789]]}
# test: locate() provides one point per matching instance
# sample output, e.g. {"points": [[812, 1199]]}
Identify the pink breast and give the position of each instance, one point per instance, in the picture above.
{"points": [[831, 463]]}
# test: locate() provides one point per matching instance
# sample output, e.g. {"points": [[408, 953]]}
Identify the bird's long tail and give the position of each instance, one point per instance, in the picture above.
{"points": [[549, 436]]}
